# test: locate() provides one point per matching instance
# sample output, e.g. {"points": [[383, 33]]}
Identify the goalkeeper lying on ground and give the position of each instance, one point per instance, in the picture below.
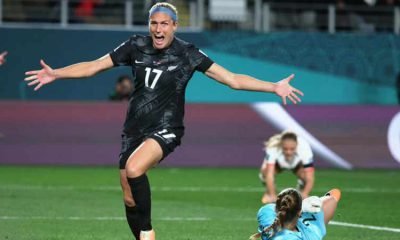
{"points": [[293, 218]]}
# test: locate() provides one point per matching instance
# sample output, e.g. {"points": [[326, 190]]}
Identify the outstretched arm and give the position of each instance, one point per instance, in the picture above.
{"points": [[244, 82], [47, 75]]}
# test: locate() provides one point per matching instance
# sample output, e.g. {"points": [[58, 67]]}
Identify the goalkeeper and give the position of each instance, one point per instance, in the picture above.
{"points": [[292, 218]]}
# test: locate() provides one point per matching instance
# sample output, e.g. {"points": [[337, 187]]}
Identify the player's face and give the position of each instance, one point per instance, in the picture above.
{"points": [[289, 148], [162, 29]]}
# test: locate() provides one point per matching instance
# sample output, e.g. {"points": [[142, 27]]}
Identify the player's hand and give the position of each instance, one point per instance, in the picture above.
{"points": [[3, 57], [268, 198], [285, 90], [40, 77]]}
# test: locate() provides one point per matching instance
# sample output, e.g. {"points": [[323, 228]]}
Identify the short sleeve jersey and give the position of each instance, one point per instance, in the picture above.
{"points": [[310, 226], [303, 155], [160, 79]]}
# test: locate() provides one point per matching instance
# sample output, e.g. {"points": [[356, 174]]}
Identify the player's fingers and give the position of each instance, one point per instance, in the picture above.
{"points": [[290, 77], [33, 82], [292, 99], [293, 95], [32, 72], [38, 86], [298, 91], [3, 54], [284, 100], [33, 77], [44, 65]]}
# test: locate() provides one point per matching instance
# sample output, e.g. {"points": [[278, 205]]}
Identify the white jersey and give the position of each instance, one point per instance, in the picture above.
{"points": [[302, 155]]}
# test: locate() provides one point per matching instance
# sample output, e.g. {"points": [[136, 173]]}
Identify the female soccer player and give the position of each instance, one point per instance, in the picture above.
{"points": [[162, 65], [287, 151], [292, 218]]}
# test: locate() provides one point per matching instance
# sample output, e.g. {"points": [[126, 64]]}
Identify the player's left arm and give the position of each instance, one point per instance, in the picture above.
{"points": [[244, 82], [309, 181]]}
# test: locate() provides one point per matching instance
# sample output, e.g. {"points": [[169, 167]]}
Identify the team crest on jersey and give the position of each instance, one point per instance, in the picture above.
{"points": [[172, 68]]}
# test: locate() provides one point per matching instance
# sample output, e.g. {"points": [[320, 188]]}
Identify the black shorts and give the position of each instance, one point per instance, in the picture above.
{"points": [[168, 139], [279, 169]]}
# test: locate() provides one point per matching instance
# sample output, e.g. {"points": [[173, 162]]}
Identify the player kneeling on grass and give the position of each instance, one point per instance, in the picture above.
{"points": [[294, 218], [287, 151]]}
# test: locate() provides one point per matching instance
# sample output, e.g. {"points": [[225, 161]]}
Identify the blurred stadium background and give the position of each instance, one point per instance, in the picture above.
{"points": [[346, 57]]}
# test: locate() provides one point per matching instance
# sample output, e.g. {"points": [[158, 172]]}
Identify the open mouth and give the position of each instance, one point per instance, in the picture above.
{"points": [[159, 40]]}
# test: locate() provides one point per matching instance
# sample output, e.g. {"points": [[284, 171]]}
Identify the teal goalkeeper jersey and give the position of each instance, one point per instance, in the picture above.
{"points": [[310, 226]]}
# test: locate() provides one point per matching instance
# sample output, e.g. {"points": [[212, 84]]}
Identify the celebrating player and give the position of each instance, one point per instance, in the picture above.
{"points": [[162, 65], [287, 151], [293, 218]]}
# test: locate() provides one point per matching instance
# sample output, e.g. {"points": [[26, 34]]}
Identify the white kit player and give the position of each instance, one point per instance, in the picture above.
{"points": [[287, 151]]}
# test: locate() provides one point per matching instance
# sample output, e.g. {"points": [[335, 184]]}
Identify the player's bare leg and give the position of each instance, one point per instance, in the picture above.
{"points": [[147, 155], [329, 204]]}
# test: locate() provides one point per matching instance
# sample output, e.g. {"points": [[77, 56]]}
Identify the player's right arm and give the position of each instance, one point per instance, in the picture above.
{"points": [[269, 173], [270, 182], [48, 75]]}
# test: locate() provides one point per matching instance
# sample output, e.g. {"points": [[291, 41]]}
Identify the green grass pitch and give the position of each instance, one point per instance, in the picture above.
{"points": [[67, 203]]}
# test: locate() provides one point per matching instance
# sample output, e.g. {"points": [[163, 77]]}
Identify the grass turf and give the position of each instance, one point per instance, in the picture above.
{"points": [[86, 203]]}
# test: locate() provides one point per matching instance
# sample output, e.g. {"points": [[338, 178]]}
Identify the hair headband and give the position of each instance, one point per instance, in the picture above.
{"points": [[165, 10]]}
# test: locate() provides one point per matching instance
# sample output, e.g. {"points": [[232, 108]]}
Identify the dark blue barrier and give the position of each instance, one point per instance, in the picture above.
{"points": [[331, 69]]}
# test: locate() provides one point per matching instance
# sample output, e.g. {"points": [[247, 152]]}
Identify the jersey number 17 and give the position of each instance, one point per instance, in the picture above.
{"points": [[155, 80]]}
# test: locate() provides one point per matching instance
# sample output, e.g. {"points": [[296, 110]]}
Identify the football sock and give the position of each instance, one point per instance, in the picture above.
{"points": [[140, 188], [147, 235], [132, 216]]}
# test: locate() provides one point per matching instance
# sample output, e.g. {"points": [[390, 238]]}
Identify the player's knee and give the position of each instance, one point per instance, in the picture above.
{"points": [[133, 171]]}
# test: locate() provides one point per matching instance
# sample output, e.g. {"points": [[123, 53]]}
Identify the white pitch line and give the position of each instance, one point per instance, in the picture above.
{"points": [[343, 224], [63, 218], [99, 218], [188, 219], [184, 189]]}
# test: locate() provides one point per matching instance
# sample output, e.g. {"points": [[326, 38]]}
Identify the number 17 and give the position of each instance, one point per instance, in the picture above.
{"points": [[158, 74]]}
